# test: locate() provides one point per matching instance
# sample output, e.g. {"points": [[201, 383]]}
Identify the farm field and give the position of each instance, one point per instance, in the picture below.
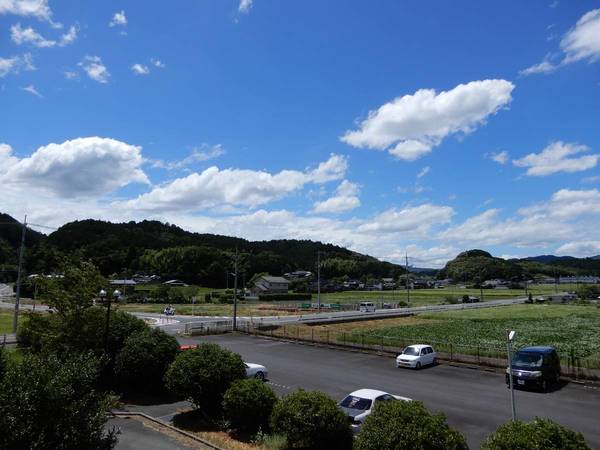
{"points": [[570, 328], [209, 309]]}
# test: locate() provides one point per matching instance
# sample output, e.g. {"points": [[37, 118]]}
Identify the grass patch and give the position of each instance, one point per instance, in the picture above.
{"points": [[6, 319], [567, 327], [209, 309]]}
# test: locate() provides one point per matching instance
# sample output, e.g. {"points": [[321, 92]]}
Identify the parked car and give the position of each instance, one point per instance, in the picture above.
{"points": [[470, 299], [366, 307], [169, 311], [359, 404], [417, 356], [256, 371], [537, 367]]}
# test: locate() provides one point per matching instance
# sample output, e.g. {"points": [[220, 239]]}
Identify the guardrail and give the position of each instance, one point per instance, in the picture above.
{"points": [[212, 327]]}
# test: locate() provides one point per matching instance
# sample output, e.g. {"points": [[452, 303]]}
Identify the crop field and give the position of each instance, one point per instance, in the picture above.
{"points": [[209, 309], [570, 328]]}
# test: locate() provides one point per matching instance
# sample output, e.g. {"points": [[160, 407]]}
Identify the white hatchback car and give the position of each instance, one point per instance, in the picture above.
{"points": [[359, 404], [417, 356], [256, 371]]}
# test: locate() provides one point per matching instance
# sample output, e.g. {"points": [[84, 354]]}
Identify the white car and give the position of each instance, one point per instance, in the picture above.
{"points": [[417, 356], [256, 371], [359, 404]]}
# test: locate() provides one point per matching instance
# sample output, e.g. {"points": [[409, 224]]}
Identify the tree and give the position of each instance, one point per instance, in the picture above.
{"points": [[311, 420], [51, 403], [248, 404], [399, 425], [535, 435], [141, 364], [203, 374]]}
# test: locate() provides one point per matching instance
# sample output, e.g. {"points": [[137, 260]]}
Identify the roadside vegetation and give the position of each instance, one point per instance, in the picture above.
{"points": [[5, 322]]}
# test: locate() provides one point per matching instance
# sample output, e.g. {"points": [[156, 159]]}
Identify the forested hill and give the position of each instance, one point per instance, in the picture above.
{"points": [[171, 252]]}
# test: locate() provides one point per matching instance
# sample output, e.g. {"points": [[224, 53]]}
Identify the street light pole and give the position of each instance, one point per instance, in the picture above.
{"points": [[235, 291], [318, 281], [510, 335], [407, 281], [19, 276]]}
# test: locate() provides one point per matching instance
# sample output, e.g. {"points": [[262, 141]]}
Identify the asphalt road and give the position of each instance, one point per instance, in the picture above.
{"points": [[475, 402], [134, 436]]}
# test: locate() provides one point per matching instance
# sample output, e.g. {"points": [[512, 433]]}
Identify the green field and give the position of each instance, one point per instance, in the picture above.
{"points": [[419, 297], [209, 309], [567, 327], [6, 318]]}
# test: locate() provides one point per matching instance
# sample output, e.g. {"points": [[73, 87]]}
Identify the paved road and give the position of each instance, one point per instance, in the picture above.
{"points": [[476, 402], [134, 436]]}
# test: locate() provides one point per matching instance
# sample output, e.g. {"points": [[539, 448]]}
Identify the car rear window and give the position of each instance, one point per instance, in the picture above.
{"points": [[352, 402]]}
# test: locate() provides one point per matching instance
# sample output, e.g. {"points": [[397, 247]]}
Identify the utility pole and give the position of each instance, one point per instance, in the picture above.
{"points": [[407, 281], [481, 284], [19, 276], [318, 281], [235, 291]]}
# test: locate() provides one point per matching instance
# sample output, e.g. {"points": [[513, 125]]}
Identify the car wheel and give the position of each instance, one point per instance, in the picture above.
{"points": [[418, 366], [435, 362], [259, 376], [544, 386]]}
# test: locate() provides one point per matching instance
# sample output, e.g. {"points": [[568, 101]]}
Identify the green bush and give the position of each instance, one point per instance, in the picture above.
{"points": [[48, 403], [311, 420], [400, 425], [535, 435], [141, 365], [3, 362], [450, 300], [248, 404], [203, 374], [280, 297]]}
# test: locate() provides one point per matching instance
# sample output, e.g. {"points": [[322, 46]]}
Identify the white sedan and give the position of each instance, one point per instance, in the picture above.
{"points": [[256, 371], [359, 404], [417, 356]]}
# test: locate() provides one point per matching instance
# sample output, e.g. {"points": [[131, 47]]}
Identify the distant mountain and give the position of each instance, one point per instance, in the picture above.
{"points": [[206, 259]]}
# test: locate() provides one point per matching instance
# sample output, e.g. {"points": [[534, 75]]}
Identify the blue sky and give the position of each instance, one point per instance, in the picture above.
{"points": [[426, 127]]}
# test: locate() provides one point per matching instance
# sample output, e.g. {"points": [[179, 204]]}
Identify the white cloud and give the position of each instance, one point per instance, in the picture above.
{"points": [[345, 199], [591, 180], [20, 35], [158, 63], [77, 168], [27, 8], [235, 187], [32, 90], [16, 64], [583, 41], [581, 249], [412, 220], [500, 158], [69, 37], [140, 69], [409, 127], [424, 171], [543, 67], [567, 204], [95, 69], [199, 154], [558, 157], [244, 7], [71, 75], [119, 20]]}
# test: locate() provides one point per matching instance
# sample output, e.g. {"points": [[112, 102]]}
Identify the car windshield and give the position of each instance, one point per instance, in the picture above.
{"points": [[527, 360], [352, 402], [412, 351]]}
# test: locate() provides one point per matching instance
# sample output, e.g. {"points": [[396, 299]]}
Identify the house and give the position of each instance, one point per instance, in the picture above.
{"points": [[268, 284], [125, 286]]}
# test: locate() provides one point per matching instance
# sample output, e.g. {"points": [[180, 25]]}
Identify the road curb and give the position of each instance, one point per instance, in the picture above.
{"points": [[128, 414]]}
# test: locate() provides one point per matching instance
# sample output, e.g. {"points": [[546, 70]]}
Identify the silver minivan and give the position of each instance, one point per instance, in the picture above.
{"points": [[366, 307]]}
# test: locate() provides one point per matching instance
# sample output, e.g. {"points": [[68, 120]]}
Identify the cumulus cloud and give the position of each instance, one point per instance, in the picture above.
{"points": [[409, 127], [80, 167], [158, 63], [567, 204], [558, 157], [345, 199], [140, 69], [500, 158], [236, 187], [118, 20], [28, 8], [582, 42], [199, 154], [20, 35], [95, 69], [245, 6], [16, 64], [412, 220], [581, 249]]}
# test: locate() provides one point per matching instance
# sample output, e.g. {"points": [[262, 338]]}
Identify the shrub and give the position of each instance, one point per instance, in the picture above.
{"points": [[142, 363], [311, 420], [537, 434], [399, 425], [248, 404], [51, 403], [203, 374], [3, 362], [450, 300]]}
